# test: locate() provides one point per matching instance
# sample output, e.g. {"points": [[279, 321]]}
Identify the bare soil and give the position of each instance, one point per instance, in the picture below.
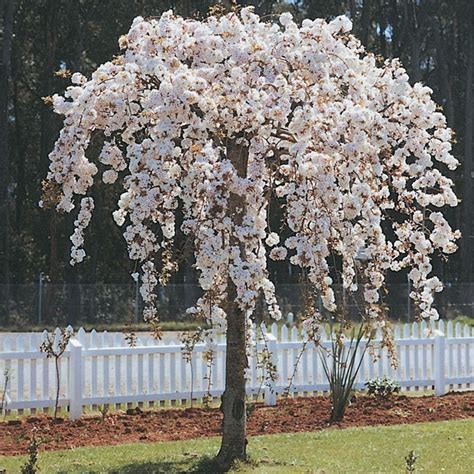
{"points": [[291, 415]]}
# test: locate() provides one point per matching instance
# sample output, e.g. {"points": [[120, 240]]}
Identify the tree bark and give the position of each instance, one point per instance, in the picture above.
{"points": [[20, 155], [234, 442], [6, 10], [444, 72], [394, 21], [382, 19], [365, 22], [415, 41], [48, 122], [467, 207]]}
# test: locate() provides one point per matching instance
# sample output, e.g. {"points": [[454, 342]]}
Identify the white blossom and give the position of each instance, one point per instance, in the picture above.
{"points": [[341, 142]]}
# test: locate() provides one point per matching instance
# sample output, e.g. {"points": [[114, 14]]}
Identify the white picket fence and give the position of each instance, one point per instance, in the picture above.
{"points": [[101, 369]]}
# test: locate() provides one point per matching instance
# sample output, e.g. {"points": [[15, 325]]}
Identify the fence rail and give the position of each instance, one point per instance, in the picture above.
{"points": [[99, 368]]}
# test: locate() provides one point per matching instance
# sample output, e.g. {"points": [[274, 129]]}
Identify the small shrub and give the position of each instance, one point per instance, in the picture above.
{"points": [[341, 371], [3, 401], [410, 461], [382, 388], [31, 465], [54, 349], [104, 410], [250, 409]]}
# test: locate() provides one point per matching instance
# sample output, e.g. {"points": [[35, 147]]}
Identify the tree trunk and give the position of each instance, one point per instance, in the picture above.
{"points": [[445, 76], [365, 23], [415, 42], [234, 442], [6, 10], [49, 124], [20, 155], [353, 9], [466, 246], [394, 21]]}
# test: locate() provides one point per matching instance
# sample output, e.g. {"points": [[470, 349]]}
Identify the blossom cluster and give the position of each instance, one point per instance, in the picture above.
{"points": [[77, 238], [224, 115]]}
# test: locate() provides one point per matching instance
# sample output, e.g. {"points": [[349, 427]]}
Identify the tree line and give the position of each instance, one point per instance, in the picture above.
{"points": [[45, 41]]}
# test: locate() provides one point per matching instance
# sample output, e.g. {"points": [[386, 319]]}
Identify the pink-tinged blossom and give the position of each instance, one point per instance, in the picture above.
{"points": [[343, 142]]}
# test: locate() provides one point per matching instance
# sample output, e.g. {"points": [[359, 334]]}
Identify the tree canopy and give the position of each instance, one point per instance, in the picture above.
{"points": [[216, 117]]}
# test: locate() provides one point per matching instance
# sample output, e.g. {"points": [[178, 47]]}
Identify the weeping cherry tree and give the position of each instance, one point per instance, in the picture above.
{"points": [[223, 119]]}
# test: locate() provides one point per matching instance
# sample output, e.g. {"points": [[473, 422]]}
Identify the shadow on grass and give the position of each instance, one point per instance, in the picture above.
{"points": [[205, 465]]}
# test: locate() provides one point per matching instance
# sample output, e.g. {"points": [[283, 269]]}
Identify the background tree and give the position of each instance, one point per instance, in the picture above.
{"points": [[6, 11]]}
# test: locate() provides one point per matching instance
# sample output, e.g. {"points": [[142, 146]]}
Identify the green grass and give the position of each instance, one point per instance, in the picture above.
{"points": [[111, 327], [441, 447], [464, 320]]}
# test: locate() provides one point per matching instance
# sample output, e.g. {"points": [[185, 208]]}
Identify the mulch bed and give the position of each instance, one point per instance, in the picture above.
{"points": [[292, 415]]}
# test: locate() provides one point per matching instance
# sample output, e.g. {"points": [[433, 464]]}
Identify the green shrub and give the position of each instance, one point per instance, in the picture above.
{"points": [[382, 388], [341, 366]]}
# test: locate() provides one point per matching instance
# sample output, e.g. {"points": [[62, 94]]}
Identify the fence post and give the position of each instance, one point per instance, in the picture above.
{"points": [[439, 369], [270, 388], [75, 379]]}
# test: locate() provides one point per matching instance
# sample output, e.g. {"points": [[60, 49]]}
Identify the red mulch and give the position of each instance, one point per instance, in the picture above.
{"points": [[292, 415]]}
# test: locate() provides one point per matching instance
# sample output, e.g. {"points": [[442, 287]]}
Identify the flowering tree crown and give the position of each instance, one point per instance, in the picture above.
{"points": [[224, 116]]}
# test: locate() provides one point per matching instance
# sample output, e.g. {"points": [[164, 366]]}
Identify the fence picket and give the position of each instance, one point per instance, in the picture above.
{"points": [[106, 368], [304, 368], [33, 371], [57, 336], [362, 374], [458, 349], [172, 373], [161, 371], [294, 357], [8, 368], [118, 375], [129, 375], [151, 373], [215, 370], [440, 325], [81, 336], [94, 364], [140, 379], [204, 373], [380, 373], [407, 362], [399, 354], [450, 354], [274, 330], [117, 368], [449, 329], [416, 351], [314, 364], [284, 368], [20, 369]]}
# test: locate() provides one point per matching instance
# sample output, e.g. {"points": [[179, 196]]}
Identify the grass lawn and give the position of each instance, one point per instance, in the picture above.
{"points": [[446, 446]]}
